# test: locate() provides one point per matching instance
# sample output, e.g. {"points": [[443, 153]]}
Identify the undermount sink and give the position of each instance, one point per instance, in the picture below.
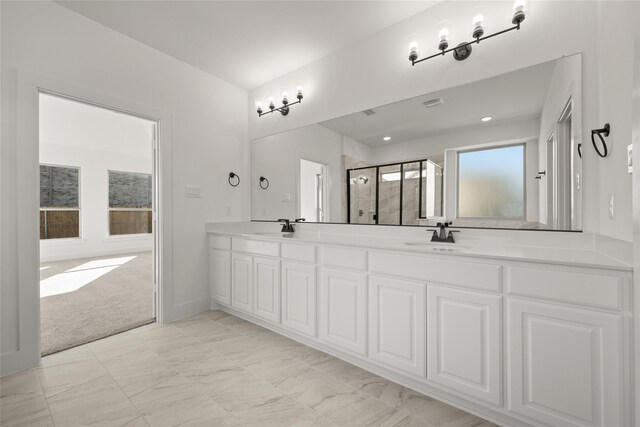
{"points": [[439, 247], [277, 233]]}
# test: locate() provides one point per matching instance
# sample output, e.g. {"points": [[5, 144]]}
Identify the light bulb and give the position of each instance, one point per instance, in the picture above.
{"points": [[387, 138], [285, 97], [259, 107], [478, 26], [443, 44], [299, 92], [518, 12], [272, 103], [413, 51]]}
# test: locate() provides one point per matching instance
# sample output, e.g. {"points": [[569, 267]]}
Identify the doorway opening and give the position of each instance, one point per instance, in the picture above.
{"points": [[98, 240], [313, 195]]}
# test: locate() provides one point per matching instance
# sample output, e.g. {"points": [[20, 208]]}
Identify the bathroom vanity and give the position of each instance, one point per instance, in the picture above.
{"points": [[520, 335]]}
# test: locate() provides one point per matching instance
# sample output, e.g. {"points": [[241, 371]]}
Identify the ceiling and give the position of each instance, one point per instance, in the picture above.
{"points": [[247, 43], [508, 98]]}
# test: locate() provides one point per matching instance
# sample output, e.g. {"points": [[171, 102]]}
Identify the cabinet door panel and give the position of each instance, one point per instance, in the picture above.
{"points": [[220, 276], [299, 297], [463, 342], [565, 364], [343, 309], [242, 282], [398, 335], [266, 277]]}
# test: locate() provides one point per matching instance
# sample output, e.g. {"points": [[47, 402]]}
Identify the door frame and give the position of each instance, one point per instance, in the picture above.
{"points": [[29, 87]]}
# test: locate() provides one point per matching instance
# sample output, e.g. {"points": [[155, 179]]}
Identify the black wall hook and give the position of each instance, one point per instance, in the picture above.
{"points": [[262, 181], [604, 131], [232, 176]]}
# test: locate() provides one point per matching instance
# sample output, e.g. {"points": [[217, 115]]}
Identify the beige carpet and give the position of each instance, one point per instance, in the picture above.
{"points": [[83, 300]]}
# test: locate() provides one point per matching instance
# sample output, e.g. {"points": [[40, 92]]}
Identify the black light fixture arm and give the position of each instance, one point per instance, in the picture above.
{"points": [[284, 110], [463, 46]]}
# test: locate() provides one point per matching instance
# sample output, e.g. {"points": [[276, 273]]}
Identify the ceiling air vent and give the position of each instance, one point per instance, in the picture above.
{"points": [[433, 102], [369, 112]]}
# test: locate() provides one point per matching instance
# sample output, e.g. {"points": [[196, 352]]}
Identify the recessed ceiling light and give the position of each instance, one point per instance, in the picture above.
{"points": [[387, 138], [486, 119]]}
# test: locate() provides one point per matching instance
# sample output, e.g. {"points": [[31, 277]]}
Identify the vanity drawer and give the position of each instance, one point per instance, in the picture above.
{"points": [[335, 256], [599, 290], [299, 252], [220, 242], [256, 247], [430, 269]]}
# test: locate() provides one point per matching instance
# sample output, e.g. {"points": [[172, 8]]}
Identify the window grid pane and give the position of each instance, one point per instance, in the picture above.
{"points": [[130, 202]]}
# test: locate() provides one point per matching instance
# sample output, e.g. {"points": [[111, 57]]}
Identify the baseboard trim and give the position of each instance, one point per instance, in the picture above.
{"points": [[187, 309], [16, 361], [497, 416]]}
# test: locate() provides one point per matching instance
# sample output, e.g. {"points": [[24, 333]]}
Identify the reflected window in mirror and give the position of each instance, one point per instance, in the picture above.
{"points": [[491, 183]]}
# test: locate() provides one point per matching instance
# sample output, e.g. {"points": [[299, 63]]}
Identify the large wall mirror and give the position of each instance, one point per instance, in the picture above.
{"points": [[504, 152]]}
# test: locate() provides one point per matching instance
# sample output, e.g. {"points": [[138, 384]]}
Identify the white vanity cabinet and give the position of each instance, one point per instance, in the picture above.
{"points": [[464, 342], [525, 343], [242, 282], [299, 297], [398, 324], [565, 364], [566, 357], [266, 285], [220, 269], [220, 276], [343, 309]]}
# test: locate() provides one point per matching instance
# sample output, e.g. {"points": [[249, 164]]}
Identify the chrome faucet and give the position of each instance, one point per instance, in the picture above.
{"points": [[442, 236], [286, 226]]}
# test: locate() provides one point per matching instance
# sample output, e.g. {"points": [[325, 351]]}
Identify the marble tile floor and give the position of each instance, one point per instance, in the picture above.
{"points": [[212, 369]]}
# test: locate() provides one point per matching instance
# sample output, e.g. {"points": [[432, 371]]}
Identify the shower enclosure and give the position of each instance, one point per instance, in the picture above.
{"points": [[406, 193]]}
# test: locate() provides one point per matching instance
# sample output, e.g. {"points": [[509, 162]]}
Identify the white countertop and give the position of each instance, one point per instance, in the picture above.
{"points": [[472, 245]]}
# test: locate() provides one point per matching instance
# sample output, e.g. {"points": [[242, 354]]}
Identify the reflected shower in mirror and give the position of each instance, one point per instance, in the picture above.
{"points": [[496, 153]]}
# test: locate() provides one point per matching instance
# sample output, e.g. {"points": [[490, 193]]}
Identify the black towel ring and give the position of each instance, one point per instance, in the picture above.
{"points": [[231, 176], [605, 130], [263, 179]]}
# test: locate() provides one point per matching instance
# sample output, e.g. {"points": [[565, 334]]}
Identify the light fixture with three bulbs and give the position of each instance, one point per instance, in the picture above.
{"points": [[463, 50]]}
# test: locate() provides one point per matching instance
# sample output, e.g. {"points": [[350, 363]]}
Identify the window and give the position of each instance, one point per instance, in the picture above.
{"points": [[59, 202], [491, 183], [129, 203]]}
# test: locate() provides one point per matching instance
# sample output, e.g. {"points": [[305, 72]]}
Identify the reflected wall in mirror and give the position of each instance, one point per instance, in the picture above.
{"points": [[497, 153]]}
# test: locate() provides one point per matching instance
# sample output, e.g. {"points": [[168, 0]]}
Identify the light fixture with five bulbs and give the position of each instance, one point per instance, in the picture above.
{"points": [[284, 109], [463, 50]]}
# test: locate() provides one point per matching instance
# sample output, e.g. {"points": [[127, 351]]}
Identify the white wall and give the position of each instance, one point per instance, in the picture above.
{"points": [[436, 145], [208, 139], [615, 86], [277, 158], [96, 140], [375, 71]]}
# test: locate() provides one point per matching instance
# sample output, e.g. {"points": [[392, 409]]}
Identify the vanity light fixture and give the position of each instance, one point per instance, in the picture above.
{"points": [[486, 119], [463, 50], [284, 109]]}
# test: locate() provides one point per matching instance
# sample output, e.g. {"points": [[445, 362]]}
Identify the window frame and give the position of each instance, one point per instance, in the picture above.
{"points": [[522, 144], [120, 209], [78, 209]]}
